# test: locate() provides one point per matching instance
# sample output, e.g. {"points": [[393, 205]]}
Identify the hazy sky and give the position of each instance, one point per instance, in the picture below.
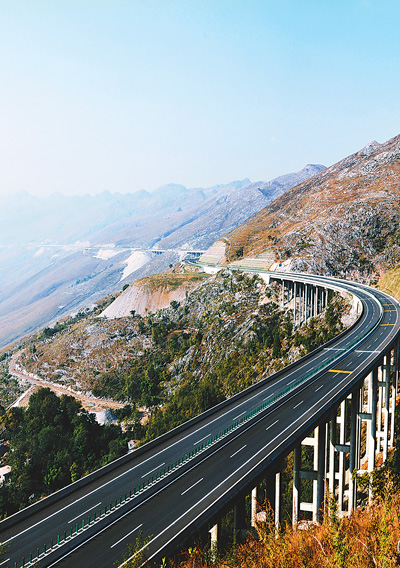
{"points": [[121, 95]]}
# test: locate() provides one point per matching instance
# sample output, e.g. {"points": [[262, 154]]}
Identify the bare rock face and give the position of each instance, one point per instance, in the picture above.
{"points": [[343, 221], [153, 293]]}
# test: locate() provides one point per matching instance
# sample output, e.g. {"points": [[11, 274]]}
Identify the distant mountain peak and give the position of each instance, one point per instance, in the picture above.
{"points": [[369, 147]]}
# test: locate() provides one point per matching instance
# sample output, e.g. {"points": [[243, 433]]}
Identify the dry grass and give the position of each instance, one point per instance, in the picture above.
{"points": [[367, 539], [390, 282]]}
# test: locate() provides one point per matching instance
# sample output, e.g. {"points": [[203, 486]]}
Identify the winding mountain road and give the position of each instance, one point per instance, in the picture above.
{"points": [[196, 472]]}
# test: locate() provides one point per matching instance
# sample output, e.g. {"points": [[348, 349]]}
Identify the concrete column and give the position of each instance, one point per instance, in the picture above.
{"points": [[296, 483], [319, 459], [214, 542], [254, 503], [392, 407], [239, 517], [372, 440], [342, 433], [316, 301], [392, 415], [277, 507], [379, 433], [386, 409], [332, 443], [396, 368], [354, 426]]}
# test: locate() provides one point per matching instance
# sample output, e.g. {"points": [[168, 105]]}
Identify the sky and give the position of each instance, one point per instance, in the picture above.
{"points": [[123, 95]]}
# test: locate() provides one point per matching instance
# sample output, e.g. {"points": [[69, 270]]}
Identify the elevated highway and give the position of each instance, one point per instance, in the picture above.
{"points": [[183, 482]]}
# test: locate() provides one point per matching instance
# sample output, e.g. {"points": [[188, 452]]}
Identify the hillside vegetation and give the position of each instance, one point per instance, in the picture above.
{"points": [[226, 335]]}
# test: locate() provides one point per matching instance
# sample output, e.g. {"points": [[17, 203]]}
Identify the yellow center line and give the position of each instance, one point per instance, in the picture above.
{"points": [[389, 310], [339, 371], [382, 324]]}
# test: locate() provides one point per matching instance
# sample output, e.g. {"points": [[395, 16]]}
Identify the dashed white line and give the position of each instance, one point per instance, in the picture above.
{"points": [[206, 436], [241, 413], [84, 512], [320, 387], [191, 487], [1, 563], [301, 402], [269, 396], [273, 424], [238, 451], [154, 469], [126, 536]]}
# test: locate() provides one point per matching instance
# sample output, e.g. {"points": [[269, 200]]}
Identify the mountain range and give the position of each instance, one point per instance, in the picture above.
{"points": [[59, 254], [344, 221]]}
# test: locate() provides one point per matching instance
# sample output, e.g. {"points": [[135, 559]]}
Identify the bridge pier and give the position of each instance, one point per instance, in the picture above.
{"points": [[239, 518], [214, 541]]}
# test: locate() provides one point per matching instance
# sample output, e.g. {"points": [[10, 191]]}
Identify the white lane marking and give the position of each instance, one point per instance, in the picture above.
{"points": [[244, 412], [154, 469], [191, 487], [126, 536], [206, 436], [301, 402], [320, 387], [1, 563], [269, 396], [238, 451], [84, 513], [273, 424]]}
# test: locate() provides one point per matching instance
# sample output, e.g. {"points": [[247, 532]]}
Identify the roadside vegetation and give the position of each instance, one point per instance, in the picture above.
{"points": [[51, 443], [227, 335]]}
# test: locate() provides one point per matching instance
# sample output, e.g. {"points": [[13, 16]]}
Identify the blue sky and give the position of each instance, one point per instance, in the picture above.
{"points": [[121, 95]]}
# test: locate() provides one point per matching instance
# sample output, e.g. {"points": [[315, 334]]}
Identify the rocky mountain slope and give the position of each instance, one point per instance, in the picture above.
{"points": [[228, 331], [59, 254], [344, 221]]}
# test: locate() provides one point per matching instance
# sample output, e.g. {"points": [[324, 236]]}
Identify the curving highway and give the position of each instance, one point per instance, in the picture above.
{"points": [[177, 485]]}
